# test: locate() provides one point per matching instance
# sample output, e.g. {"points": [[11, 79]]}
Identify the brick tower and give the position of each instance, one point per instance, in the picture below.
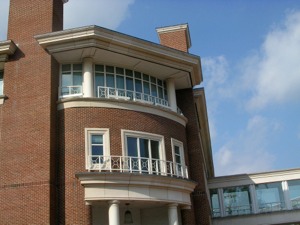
{"points": [[28, 117]]}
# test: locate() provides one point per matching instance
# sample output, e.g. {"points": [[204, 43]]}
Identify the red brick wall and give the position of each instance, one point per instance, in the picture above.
{"points": [[72, 124], [28, 117], [176, 39], [185, 101]]}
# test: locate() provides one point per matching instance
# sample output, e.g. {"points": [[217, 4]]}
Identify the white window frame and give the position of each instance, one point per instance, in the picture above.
{"points": [[179, 144], [145, 135], [106, 143]]}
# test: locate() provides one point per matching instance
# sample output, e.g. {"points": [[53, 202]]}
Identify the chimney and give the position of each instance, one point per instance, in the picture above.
{"points": [[177, 37]]}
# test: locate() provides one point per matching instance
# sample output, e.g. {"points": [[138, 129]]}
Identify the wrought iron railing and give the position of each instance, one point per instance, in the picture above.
{"points": [[141, 165], [109, 92], [71, 91]]}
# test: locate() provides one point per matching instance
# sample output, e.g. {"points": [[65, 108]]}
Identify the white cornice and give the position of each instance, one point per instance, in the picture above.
{"points": [[94, 36], [6, 48]]}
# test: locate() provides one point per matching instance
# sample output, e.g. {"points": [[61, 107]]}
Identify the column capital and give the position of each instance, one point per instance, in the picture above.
{"points": [[88, 59], [114, 202]]}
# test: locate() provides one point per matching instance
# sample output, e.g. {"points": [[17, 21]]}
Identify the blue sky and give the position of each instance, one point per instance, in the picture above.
{"points": [[250, 53]]}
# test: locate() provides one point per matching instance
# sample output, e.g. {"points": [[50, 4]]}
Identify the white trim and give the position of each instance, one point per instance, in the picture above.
{"points": [[175, 142], [106, 142]]}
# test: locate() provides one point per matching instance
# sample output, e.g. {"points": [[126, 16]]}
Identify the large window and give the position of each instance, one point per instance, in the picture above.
{"points": [[144, 152], [294, 190], [270, 197], [71, 79], [118, 82], [215, 204], [1, 82], [97, 147]]}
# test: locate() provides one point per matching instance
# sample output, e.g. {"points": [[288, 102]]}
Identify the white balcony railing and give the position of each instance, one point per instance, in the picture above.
{"points": [[108, 92], [71, 91], [141, 165]]}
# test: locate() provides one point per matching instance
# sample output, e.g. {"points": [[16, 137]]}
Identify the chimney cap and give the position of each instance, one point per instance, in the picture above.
{"points": [[174, 28]]}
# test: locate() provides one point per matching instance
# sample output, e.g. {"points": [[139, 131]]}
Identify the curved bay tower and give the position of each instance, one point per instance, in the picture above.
{"points": [[98, 127]]}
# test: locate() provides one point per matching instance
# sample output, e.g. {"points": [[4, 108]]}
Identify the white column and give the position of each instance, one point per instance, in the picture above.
{"points": [[114, 212], [173, 216], [88, 78], [286, 195], [253, 198], [172, 94]]}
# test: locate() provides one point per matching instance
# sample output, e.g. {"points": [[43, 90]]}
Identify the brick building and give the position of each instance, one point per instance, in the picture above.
{"points": [[98, 127]]}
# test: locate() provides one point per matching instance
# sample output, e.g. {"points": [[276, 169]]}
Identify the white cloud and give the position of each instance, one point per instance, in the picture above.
{"points": [[105, 13], [3, 19], [247, 152], [274, 72]]}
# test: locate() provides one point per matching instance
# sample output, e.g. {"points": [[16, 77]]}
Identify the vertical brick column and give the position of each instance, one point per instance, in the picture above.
{"points": [[28, 128], [185, 101]]}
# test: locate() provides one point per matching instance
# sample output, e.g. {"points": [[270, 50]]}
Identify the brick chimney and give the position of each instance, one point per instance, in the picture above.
{"points": [[177, 37]]}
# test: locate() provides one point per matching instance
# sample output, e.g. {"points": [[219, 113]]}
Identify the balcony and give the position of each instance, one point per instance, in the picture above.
{"points": [[128, 164]]}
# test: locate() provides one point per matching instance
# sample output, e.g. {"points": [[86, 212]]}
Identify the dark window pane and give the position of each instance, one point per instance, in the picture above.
{"points": [[146, 77], [144, 151], [155, 149], [146, 88], [129, 73], [120, 82], [97, 139], [159, 82], [132, 146], [129, 84], [138, 86], [77, 78], [110, 80], [77, 67], [120, 70], [99, 79], [66, 67], [153, 80], [160, 92], [153, 90], [99, 68], [110, 69], [138, 75], [97, 150]]}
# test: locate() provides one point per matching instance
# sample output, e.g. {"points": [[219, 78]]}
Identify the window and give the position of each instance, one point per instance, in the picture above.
{"points": [[143, 152], [215, 205], [294, 189], [1, 82], [178, 157], [270, 197], [97, 147], [71, 79]]}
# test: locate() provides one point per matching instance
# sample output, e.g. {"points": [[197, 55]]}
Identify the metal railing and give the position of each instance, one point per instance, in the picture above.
{"points": [[109, 92], [238, 210], [271, 207], [141, 165], [71, 91]]}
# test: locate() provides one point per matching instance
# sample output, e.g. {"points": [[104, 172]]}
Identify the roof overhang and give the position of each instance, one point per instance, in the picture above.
{"points": [[7, 48], [113, 48], [200, 100]]}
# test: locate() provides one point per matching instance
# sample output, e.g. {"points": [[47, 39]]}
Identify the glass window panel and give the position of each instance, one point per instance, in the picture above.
{"points": [[97, 139], [110, 80], [138, 86], [129, 84], [159, 82], [146, 88], [160, 92], [214, 198], [177, 159], [269, 197], [153, 90], [129, 73], [99, 68], [237, 200], [66, 80], [99, 79], [144, 148], [97, 150], [153, 80], [66, 67], [77, 78], [177, 150], [110, 69], [137, 75], [120, 82], [120, 70], [166, 94], [132, 146], [77, 67], [146, 77], [294, 189], [154, 149]]}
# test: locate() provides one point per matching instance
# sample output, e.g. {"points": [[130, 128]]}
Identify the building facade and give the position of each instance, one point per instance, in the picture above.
{"points": [[98, 127]]}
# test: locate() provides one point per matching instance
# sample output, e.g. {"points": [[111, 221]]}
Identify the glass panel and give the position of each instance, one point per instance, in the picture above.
{"points": [[153, 90], [110, 80], [99, 68], [110, 69], [97, 139], [77, 67], [77, 78], [269, 197], [120, 70], [146, 77], [120, 82], [159, 82], [66, 80], [144, 148], [99, 79], [138, 86], [66, 68], [153, 80], [215, 203], [237, 200], [132, 146], [294, 188], [146, 88], [177, 150], [137, 75], [129, 84], [155, 149], [178, 159], [97, 150], [160, 92], [129, 73]]}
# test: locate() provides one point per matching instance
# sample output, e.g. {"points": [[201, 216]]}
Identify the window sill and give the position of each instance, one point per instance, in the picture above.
{"points": [[2, 98]]}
